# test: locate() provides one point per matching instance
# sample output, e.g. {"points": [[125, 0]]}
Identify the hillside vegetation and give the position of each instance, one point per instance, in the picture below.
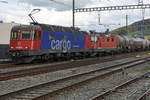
{"points": [[137, 28]]}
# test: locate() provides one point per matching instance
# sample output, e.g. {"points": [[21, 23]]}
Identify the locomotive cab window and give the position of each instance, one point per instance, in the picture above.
{"points": [[94, 39], [107, 39], [103, 39], [26, 35], [14, 35]]}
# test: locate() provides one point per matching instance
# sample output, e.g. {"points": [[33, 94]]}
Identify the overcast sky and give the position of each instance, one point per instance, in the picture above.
{"points": [[59, 12]]}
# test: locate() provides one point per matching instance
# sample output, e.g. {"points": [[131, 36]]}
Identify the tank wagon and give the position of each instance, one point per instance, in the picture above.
{"points": [[42, 41]]}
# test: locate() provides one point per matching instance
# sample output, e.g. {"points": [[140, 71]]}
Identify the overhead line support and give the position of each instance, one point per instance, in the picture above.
{"points": [[109, 8]]}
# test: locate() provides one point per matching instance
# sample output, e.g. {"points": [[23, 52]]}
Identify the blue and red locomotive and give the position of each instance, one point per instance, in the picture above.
{"points": [[42, 41]]}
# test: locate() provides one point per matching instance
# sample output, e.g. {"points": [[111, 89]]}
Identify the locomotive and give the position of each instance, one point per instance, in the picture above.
{"points": [[42, 41]]}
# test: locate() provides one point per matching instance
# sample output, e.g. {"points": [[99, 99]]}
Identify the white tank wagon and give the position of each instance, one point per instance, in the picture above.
{"points": [[129, 44], [146, 44], [120, 42]]}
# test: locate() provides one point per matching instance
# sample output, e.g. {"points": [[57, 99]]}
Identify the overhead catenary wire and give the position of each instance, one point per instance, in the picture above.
{"points": [[61, 3]]}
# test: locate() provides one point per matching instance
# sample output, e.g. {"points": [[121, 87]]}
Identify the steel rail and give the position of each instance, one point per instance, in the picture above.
{"points": [[143, 97], [102, 95]]}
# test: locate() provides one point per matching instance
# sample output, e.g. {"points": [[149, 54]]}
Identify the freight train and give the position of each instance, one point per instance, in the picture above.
{"points": [[42, 41]]}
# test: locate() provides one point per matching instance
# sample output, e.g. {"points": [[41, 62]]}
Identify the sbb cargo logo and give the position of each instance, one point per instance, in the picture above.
{"points": [[60, 45]]}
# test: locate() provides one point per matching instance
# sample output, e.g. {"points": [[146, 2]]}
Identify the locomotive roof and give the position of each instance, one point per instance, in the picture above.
{"points": [[55, 28], [26, 27]]}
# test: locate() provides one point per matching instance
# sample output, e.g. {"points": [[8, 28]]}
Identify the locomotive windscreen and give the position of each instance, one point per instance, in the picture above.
{"points": [[26, 35], [14, 35]]}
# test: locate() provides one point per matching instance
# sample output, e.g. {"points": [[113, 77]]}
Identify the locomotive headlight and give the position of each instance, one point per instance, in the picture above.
{"points": [[26, 47], [13, 54], [11, 47]]}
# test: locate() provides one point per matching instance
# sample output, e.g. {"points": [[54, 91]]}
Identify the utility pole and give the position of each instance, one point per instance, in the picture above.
{"points": [[127, 24], [73, 13], [140, 2], [99, 18], [143, 15]]}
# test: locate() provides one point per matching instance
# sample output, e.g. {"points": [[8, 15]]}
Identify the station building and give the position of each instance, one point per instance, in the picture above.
{"points": [[5, 29]]}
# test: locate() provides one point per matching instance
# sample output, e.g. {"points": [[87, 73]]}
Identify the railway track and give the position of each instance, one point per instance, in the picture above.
{"points": [[41, 69], [133, 89], [104, 58], [43, 91]]}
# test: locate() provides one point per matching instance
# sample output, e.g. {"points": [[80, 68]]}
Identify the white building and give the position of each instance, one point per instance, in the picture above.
{"points": [[5, 29]]}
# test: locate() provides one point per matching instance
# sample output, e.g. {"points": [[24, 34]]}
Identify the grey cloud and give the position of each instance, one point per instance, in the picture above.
{"points": [[59, 5]]}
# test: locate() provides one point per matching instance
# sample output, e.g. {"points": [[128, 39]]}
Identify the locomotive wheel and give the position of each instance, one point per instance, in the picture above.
{"points": [[28, 59], [45, 57]]}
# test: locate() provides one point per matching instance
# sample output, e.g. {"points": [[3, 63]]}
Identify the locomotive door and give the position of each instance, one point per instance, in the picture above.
{"points": [[40, 33], [37, 39]]}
